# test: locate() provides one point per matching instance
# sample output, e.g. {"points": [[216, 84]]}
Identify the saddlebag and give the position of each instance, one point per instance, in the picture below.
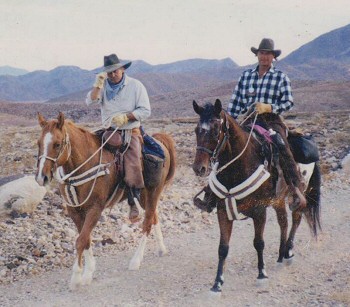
{"points": [[304, 148]]}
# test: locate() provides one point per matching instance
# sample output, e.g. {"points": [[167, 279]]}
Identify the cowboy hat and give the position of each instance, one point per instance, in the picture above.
{"points": [[112, 63], [266, 44]]}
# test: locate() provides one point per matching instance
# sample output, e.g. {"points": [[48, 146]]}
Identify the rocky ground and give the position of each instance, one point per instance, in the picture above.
{"points": [[40, 245]]}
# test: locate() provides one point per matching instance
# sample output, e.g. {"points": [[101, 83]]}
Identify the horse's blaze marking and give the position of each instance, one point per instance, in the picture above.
{"points": [[46, 142], [205, 126]]}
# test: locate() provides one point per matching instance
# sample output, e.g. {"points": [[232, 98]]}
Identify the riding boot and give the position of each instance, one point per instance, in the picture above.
{"points": [[288, 165], [208, 203], [134, 195]]}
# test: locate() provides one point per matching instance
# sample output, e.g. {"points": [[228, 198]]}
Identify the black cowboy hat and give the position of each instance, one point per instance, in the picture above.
{"points": [[267, 44], [112, 63]]}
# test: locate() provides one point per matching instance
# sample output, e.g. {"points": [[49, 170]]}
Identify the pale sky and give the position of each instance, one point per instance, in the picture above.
{"points": [[44, 34]]}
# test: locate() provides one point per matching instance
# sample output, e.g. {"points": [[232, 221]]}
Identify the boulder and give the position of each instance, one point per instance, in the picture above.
{"points": [[21, 195]]}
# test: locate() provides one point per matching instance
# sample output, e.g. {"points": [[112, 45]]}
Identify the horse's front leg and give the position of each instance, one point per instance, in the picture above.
{"points": [[83, 275], [259, 244], [225, 234]]}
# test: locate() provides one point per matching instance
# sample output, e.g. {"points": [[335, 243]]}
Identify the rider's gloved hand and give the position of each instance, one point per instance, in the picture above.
{"points": [[261, 108], [100, 79], [120, 120]]}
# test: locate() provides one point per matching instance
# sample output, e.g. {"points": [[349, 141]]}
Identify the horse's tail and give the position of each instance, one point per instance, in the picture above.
{"points": [[313, 197], [169, 143]]}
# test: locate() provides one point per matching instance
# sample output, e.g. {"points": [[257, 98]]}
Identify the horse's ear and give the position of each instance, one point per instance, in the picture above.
{"points": [[197, 108], [218, 106], [60, 119], [42, 121]]}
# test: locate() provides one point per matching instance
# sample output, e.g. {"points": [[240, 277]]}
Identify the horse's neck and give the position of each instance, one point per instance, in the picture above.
{"points": [[240, 144], [83, 146]]}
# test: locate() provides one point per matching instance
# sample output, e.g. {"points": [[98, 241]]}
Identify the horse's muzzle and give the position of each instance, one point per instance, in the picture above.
{"points": [[43, 180], [200, 170]]}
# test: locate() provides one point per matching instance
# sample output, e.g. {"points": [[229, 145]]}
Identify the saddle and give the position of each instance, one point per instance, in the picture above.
{"points": [[152, 154]]}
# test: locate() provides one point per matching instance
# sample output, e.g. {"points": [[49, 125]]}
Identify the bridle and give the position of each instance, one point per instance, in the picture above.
{"points": [[221, 140], [225, 129], [65, 144]]}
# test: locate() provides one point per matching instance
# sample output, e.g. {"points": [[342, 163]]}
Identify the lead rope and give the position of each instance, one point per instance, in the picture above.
{"points": [[93, 184], [86, 161]]}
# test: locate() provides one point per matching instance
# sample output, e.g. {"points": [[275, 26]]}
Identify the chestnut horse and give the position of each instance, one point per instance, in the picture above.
{"points": [[243, 186], [88, 180]]}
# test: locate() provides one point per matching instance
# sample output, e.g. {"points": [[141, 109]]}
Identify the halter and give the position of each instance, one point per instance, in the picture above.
{"points": [[214, 153], [224, 129], [66, 143]]}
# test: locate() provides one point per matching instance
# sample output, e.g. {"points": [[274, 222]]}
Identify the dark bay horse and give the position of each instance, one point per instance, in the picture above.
{"points": [[88, 181], [244, 185]]}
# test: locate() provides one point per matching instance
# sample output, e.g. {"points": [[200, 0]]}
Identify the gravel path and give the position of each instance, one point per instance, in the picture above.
{"points": [[318, 276]]}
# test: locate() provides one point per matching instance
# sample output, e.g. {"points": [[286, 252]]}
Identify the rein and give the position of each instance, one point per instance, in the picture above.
{"points": [[245, 147]]}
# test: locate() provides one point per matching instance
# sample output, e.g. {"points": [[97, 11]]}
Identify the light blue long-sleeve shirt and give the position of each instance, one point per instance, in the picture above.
{"points": [[132, 98]]}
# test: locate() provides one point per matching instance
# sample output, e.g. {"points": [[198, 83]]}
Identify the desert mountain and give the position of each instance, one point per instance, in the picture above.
{"points": [[12, 71], [325, 58]]}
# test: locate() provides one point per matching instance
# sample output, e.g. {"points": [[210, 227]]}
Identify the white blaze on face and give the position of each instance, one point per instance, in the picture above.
{"points": [[46, 143], [205, 126]]}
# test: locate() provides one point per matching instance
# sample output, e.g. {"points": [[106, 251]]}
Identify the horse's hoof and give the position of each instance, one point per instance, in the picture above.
{"points": [[74, 286], [290, 260], [289, 257], [215, 293], [162, 253], [262, 282], [217, 287], [134, 265], [86, 280]]}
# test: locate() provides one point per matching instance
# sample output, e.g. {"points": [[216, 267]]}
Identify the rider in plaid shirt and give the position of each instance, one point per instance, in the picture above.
{"points": [[270, 91], [273, 88]]}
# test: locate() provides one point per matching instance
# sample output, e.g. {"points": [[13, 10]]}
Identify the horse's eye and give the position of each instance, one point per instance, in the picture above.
{"points": [[57, 145]]}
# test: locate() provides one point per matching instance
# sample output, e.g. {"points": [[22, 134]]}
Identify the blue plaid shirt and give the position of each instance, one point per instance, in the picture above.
{"points": [[273, 88]]}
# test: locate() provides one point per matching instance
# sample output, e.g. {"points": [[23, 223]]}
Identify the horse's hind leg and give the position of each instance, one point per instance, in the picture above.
{"points": [[259, 244], [150, 211], [282, 219], [162, 250], [296, 219], [150, 201], [225, 235]]}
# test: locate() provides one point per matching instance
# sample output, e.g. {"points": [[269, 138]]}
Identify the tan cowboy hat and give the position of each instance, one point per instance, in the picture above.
{"points": [[267, 44], [112, 63]]}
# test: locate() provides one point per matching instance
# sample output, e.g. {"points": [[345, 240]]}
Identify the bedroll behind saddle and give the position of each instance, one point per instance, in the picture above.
{"points": [[153, 160], [304, 148]]}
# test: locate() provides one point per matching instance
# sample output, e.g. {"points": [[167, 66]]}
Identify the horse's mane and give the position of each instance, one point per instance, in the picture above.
{"points": [[70, 125]]}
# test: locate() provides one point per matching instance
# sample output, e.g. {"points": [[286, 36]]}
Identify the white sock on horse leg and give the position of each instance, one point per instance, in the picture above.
{"points": [[136, 260], [89, 267], [159, 237], [76, 276]]}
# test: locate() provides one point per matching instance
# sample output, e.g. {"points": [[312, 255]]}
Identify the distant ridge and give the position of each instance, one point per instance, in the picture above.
{"points": [[12, 71], [326, 58]]}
